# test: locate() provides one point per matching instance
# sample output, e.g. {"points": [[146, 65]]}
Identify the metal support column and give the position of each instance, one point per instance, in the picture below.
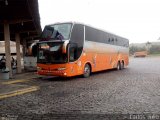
{"points": [[24, 47], [19, 68], [7, 47]]}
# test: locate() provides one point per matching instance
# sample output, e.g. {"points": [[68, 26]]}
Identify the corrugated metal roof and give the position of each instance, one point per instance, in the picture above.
{"points": [[23, 16]]}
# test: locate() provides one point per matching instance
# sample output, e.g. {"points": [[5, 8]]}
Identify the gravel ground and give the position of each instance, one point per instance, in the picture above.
{"points": [[134, 90]]}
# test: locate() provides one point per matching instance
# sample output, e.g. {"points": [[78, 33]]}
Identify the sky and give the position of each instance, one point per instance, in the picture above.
{"points": [[136, 20]]}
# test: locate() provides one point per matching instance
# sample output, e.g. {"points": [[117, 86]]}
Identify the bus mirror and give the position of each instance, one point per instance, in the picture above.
{"points": [[64, 48], [34, 50]]}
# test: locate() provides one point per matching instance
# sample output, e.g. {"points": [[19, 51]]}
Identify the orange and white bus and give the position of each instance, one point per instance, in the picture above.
{"points": [[70, 49], [140, 54]]}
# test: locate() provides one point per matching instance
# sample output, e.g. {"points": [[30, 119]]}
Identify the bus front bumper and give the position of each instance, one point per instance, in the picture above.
{"points": [[52, 73]]}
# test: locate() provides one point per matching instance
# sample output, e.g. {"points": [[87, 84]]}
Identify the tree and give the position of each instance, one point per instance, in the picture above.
{"points": [[134, 49], [154, 49], [148, 46]]}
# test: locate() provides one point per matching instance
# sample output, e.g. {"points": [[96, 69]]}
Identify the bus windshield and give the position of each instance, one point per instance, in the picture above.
{"points": [[51, 52], [56, 32]]}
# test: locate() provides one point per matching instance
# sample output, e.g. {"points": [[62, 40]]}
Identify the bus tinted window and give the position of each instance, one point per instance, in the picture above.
{"points": [[77, 37], [91, 34], [95, 35], [56, 32]]}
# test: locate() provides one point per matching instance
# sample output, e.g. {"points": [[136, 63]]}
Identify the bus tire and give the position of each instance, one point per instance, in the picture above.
{"points": [[87, 71], [122, 65], [118, 65]]}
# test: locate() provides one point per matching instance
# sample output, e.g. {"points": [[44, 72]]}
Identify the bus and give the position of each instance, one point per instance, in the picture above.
{"points": [[71, 49], [140, 54]]}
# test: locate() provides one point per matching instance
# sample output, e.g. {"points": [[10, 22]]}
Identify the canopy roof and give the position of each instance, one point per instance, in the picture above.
{"points": [[22, 16]]}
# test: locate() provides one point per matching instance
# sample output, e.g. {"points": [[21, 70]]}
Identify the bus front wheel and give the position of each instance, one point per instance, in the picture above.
{"points": [[87, 71]]}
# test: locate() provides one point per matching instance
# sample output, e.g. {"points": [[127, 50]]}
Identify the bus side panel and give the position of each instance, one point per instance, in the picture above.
{"points": [[104, 56]]}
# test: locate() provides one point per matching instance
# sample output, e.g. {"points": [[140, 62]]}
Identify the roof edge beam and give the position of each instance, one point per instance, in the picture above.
{"points": [[17, 21]]}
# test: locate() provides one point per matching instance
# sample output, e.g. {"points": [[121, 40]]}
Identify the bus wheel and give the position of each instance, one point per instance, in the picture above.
{"points": [[87, 71], [122, 65], [118, 65]]}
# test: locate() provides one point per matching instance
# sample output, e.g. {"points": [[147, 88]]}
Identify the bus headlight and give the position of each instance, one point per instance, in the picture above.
{"points": [[61, 68]]}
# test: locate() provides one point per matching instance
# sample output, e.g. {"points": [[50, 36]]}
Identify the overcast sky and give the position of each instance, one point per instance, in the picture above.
{"points": [[137, 20]]}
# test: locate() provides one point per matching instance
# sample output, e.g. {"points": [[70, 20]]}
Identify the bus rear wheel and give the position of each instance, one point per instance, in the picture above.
{"points": [[118, 65], [87, 71], [122, 65]]}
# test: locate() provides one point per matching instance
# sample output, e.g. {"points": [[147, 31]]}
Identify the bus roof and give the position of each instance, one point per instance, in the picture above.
{"points": [[89, 26]]}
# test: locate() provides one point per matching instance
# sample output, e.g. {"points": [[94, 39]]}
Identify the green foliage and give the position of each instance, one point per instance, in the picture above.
{"points": [[155, 49], [134, 49]]}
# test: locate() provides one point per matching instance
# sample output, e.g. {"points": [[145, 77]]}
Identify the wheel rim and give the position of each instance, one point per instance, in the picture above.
{"points": [[86, 70], [122, 65], [118, 66]]}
